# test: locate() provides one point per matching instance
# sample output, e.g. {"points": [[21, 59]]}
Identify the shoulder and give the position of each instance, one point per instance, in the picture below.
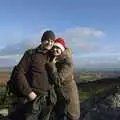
{"points": [[68, 61], [68, 56], [68, 53], [29, 52], [65, 61]]}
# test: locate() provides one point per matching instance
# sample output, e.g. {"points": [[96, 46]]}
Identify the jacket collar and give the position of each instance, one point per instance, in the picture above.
{"points": [[40, 50]]}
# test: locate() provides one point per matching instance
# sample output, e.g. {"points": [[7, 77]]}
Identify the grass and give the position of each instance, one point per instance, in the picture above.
{"points": [[84, 93], [90, 77], [4, 77], [88, 91]]}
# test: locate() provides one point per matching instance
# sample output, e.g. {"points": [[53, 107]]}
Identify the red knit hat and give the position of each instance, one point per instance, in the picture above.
{"points": [[59, 42]]}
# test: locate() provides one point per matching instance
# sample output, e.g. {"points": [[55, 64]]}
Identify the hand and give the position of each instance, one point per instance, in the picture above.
{"points": [[54, 60], [32, 96]]}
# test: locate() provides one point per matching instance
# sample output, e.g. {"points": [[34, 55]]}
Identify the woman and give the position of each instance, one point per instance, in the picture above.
{"points": [[60, 71]]}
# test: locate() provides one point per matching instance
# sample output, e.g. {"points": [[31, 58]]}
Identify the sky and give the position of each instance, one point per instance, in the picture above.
{"points": [[91, 28]]}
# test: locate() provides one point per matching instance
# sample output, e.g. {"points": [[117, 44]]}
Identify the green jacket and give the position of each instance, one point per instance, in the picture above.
{"points": [[31, 72], [62, 73]]}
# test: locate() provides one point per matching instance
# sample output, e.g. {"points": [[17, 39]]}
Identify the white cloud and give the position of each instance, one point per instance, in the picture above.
{"points": [[75, 38], [9, 60], [81, 32], [10, 56], [105, 60], [20, 47], [83, 41], [111, 48]]}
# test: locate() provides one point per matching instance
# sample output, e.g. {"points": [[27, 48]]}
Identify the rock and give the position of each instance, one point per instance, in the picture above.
{"points": [[4, 112], [105, 106]]}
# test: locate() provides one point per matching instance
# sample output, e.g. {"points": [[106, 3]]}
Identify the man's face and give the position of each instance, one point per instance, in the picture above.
{"points": [[48, 44]]}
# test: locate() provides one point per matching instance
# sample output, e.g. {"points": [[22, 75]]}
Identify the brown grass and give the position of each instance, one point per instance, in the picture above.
{"points": [[4, 77]]}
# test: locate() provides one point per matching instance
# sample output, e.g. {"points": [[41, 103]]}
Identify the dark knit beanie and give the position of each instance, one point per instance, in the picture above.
{"points": [[48, 35]]}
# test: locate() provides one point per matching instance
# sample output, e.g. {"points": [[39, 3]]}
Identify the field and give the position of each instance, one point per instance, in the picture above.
{"points": [[4, 77], [84, 91]]}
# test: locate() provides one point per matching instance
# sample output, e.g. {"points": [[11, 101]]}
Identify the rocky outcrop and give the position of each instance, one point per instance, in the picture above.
{"points": [[104, 105]]}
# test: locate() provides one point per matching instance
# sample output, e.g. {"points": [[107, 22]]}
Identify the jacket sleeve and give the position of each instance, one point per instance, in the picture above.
{"points": [[58, 75], [66, 69], [21, 80]]}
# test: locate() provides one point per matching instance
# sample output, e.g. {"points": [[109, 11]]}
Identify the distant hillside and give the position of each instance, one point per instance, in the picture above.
{"points": [[96, 69], [87, 75], [6, 69]]}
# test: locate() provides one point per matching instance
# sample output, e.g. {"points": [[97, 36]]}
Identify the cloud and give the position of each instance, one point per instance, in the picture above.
{"points": [[103, 60], [75, 38], [82, 32], [9, 60], [82, 39], [111, 48], [12, 52], [85, 48], [20, 47], [10, 56]]}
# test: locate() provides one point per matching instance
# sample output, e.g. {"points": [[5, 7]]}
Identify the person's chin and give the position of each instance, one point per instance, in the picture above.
{"points": [[48, 48], [56, 55]]}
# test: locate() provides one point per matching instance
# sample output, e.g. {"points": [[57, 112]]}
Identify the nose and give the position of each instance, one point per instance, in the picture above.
{"points": [[50, 42], [55, 50]]}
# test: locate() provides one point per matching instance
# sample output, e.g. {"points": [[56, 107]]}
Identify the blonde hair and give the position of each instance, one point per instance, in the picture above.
{"points": [[68, 52]]}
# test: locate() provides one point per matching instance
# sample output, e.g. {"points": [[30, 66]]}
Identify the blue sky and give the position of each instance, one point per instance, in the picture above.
{"points": [[90, 27]]}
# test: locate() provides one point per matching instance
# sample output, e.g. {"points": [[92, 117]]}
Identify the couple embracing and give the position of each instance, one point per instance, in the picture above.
{"points": [[45, 80]]}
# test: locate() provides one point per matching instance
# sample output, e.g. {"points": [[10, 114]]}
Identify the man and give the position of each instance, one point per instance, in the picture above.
{"points": [[32, 81]]}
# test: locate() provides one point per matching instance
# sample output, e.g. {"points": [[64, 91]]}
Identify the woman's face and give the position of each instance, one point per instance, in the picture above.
{"points": [[56, 51]]}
